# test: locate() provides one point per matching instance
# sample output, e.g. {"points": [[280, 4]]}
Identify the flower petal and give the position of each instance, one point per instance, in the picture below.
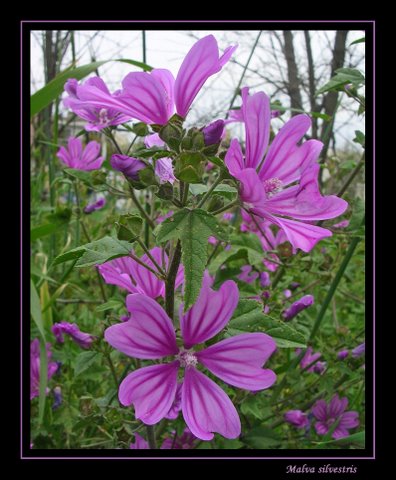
{"points": [[319, 410], [257, 118], [283, 147], [321, 428], [206, 407], [168, 82], [151, 390], [252, 189], [337, 406], [148, 283], [238, 360], [149, 334], [349, 420], [234, 158], [340, 433], [210, 313], [114, 276]]}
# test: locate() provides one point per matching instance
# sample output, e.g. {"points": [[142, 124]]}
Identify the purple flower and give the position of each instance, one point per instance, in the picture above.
{"points": [[297, 418], [129, 275], [359, 350], [153, 140], [343, 224], [228, 216], [92, 207], [176, 405], [265, 280], [161, 218], [82, 339], [297, 307], [152, 97], [75, 157], [308, 359], [98, 116], [294, 285], [267, 192], [247, 275], [213, 132], [164, 170], [124, 318], [287, 293], [328, 414], [341, 355], [129, 166], [57, 398], [320, 367], [140, 443], [212, 240], [150, 335], [35, 367], [185, 441]]}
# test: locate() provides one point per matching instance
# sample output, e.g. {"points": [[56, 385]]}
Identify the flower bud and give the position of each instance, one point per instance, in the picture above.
{"points": [[129, 166]]}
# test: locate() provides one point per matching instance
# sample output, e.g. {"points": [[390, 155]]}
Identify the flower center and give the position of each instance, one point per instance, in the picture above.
{"points": [[272, 186], [103, 118], [186, 358]]}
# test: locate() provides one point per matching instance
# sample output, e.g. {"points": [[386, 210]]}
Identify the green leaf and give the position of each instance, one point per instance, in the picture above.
{"points": [[97, 252], [193, 227], [43, 97], [110, 305], [249, 317], [85, 360], [343, 77], [88, 178], [357, 439], [224, 190], [360, 138], [262, 437], [358, 212], [35, 309], [359, 40], [59, 218]]}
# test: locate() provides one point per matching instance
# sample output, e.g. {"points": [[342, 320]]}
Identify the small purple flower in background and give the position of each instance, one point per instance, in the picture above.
{"points": [[35, 367], [294, 285], [228, 216], [275, 113], [129, 166], [163, 217], [298, 307], [124, 318], [320, 367], [81, 159], [296, 418], [328, 414], [213, 133], [129, 275], [82, 339], [247, 275], [237, 361], [359, 350], [92, 207], [152, 97], [343, 224], [212, 240], [342, 354], [308, 358], [98, 117], [57, 398], [287, 293], [164, 170], [140, 443], [265, 280], [186, 440]]}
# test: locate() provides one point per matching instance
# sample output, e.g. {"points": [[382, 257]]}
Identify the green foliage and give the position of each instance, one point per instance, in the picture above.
{"points": [[343, 76]]}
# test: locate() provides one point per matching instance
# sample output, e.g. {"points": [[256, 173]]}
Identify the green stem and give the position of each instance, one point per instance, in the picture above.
{"points": [[110, 135], [137, 260], [351, 176], [170, 281], [147, 251], [334, 284], [209, 192], [112, 369], [140, 208], [151, 437], [226, 207], [184, 196]]}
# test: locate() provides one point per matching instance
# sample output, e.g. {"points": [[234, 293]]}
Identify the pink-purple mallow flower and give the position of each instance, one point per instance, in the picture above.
{"points": [[82, 339], [98, 116], [152, 97], [129, 166], [308, 359], [247, 275], [265, 280], [185, 441], [35, 367], [134, 278], [150, 335], [140, 443], [213, 132], [92, 207], [359, 350], [342, 354], [297, 307], [297, 418], [74, 156], [283, 188], [328, 414]]}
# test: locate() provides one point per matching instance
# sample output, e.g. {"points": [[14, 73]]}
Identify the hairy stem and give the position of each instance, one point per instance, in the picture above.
{"points": [[138, 205], [170, 281]]}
